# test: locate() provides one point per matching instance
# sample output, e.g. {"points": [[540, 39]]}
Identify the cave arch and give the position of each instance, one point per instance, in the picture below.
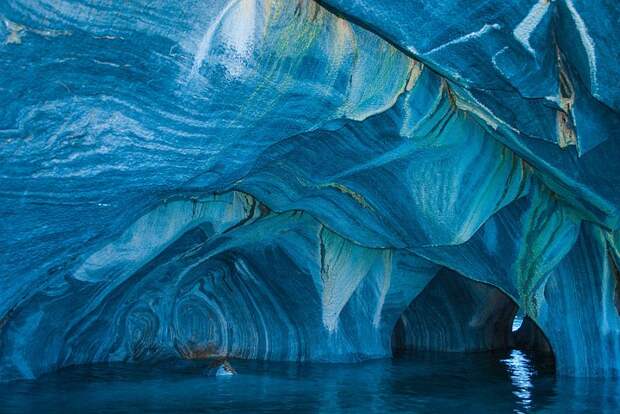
{"points": [[532, 340], [455, 314], [458, 314]]}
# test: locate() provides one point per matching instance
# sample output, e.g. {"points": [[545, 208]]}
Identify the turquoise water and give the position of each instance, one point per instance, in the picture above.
{"points": [[425, 383]]}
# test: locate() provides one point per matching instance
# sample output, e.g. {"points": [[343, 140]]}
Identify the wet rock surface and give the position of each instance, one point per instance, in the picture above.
{"points": [[280, 180]]}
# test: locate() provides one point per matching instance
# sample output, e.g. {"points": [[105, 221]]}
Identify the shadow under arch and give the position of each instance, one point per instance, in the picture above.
{"points": [[458, 314]]}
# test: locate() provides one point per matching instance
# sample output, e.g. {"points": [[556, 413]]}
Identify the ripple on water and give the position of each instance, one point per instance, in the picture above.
{"points": [[424, 383]]}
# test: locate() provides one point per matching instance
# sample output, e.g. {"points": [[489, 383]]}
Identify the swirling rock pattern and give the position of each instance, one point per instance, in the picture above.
{"points": [[291, 180]]}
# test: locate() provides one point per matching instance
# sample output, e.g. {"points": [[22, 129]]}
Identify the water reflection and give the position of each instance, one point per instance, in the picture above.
{"points": [[421, 383], [521, 373]]}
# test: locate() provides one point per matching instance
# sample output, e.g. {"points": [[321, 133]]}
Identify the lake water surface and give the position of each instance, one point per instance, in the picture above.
{"points": [[423, 383]]}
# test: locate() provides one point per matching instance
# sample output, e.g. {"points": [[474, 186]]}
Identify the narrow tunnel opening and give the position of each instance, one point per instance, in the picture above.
{"points": [[455, 314], [517, 322], [531, 340]]}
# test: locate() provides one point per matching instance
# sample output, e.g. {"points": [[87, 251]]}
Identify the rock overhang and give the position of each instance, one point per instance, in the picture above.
{"points": [[345, 151]]}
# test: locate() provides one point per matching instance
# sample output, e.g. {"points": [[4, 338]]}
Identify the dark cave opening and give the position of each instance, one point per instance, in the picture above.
{"points": [[459, 315], [616, 275], [530, 339]]}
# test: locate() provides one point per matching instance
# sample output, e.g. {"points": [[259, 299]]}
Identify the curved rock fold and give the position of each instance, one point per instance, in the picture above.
{"points": [[307, 181]]}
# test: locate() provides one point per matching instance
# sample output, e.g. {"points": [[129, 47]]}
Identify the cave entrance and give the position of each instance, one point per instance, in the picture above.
{"points": [[457, 314], [517, 322]]}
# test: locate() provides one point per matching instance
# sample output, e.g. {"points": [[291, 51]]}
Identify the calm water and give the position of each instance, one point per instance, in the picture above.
{"points": [[428, 383]]}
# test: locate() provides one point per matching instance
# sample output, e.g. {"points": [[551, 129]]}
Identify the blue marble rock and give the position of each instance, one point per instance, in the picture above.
{"points": [[307, 180]]}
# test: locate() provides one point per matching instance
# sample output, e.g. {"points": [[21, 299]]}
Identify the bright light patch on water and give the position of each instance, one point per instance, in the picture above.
{"points": [[438, 383], [521, 372]]}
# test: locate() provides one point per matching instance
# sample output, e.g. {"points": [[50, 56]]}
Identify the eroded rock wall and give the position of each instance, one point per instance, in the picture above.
{"points": [[281, 179]]}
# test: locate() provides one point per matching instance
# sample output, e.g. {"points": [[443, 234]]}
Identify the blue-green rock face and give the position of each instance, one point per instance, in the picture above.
{"points": [[291, 180]]}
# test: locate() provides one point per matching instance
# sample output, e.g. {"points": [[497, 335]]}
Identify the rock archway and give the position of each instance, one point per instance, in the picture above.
{"points": [[281, 179]]}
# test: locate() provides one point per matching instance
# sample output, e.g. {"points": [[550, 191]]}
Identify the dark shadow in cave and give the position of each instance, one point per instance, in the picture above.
{"points": [[530, 339], [616, 273], [457, 314]]}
